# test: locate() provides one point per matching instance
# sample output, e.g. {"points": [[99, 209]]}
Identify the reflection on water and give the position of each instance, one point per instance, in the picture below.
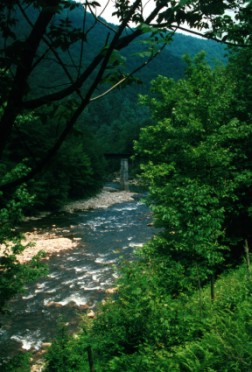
{"points": [[76, 279]]}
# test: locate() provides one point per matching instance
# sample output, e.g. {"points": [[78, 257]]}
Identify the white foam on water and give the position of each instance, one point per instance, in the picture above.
{"points": [[95, 277], [133, 245], [45, 302], [94, 227], [41, 289], [28, 297], [100, 270], [107, 283], [101, 260], [67, 282], [53, 275], [91, 288], [88, 254], [81, 283], [29, 341], [51, 290], [70, 258], [80, 269], [82, 277], [41, 285], [103, 254], [79, 300], [128, 208]]}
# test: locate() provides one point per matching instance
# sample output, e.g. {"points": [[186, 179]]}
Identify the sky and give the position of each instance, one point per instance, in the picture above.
{"points": [[148, 7], [107, 14]]}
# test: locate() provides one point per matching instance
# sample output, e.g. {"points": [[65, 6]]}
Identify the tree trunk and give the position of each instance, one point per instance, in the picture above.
{"points": [[24, 68], [246, 247], [90, 359]]}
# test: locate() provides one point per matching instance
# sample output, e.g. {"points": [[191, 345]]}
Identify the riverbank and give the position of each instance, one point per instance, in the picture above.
{"points": [[57, 240], [80, 278], [107, 197]]}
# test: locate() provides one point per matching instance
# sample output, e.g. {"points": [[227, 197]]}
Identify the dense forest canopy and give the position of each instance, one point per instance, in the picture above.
{"points": [[197, 162], [195, 148], [36, 136], [53, 32], [185, 303]]}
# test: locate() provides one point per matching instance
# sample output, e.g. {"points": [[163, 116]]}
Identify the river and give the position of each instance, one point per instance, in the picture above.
{"points": [[76, 279]]}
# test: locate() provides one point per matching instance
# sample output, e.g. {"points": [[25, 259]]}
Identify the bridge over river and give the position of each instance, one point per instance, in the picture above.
{"points": [[124, 167]]}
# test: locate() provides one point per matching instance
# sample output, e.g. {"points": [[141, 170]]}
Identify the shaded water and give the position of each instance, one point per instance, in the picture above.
{"points": [[78, 278]]}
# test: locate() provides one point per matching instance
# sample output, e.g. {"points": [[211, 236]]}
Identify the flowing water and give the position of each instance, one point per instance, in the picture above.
{"points": [[77, 278]]}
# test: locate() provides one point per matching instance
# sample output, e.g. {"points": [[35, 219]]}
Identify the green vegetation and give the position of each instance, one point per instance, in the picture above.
{"points": [[109, 124], [41, 121], [19, 363], [198, 169], [15, 276], [147, 329], [77, 171], [185, 303]]}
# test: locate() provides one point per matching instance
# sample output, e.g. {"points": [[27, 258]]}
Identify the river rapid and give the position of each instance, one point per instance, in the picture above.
{"points": [[77, 279]]}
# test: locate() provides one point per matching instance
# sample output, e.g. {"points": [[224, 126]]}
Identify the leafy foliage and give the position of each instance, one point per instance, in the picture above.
{"points": [[196, 163], [41, 122], [197, 167], [14, 275], [19, 363], [52, 32], [77, 170], [147, 329], [65, 354]]}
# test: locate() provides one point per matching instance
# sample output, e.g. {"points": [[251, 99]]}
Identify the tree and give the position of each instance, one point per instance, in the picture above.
{"points": [[196, 162], [53, 32], [14, 275], [37, 33]]}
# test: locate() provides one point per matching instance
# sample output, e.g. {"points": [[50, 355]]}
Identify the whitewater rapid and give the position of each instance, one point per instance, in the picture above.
{"points": [[77, 279]]}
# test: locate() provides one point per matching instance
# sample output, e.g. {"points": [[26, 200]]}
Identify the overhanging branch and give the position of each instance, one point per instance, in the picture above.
{"points": [[50, 154], [200, 34]]}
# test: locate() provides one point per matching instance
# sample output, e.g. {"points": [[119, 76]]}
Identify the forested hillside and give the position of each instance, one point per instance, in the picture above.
{"points": [[185, 303], [68, 95], [110, 124], [120, 117]]}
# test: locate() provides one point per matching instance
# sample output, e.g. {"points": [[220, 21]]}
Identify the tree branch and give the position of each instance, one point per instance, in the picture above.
{"points": [[50, 154], [24, 68], [132, 73], [196, 33], [121, 43]]}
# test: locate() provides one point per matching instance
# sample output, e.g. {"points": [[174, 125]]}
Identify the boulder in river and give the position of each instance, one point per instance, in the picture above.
{"points": [[91, 314]]}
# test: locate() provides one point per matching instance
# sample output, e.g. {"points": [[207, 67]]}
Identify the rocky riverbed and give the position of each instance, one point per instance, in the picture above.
{"points": [[107, 197], [57, 240], [99, 230]]}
